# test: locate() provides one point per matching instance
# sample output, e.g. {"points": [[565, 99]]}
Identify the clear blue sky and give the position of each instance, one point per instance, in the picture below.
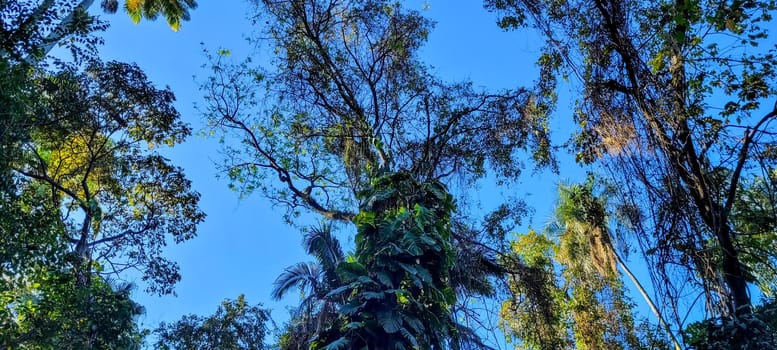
{"points": [[244, 244]]}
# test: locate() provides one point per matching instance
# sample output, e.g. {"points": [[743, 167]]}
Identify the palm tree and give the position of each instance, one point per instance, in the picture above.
{"points": [[582, 217], [314, 280], [174, 12]]}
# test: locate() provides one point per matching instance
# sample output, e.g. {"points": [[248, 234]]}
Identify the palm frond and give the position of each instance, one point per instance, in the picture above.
{"points": [[325, 247], [304, 275]]}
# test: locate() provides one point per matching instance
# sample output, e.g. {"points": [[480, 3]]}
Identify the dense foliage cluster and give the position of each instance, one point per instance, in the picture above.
{"points": [[673, 106], [397, 290], [85, 195], [671, 103], [235, 325]]}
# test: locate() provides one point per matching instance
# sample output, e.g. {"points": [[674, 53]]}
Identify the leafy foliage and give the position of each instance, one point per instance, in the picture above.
{"points": [[235, 325], [117, 201], [567, 291], [315, 280], [716, 334], [84, 195], [174, 11], [397, 288], [346, 107], [57, 312], [753, 216], [671, 106], [348, 100], [534, 315], [30, 28]]}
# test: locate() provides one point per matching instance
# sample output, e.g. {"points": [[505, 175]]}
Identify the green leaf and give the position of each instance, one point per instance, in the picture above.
{"points": [[135, 16], [450, 295], [430, 242], [351, 307], [373, 295], [353, 325], [351, 270], [390, 321], [385, 278], [379, 197], [365, 218], [411, 244], [366, 280], [339, 290], [419, 271], [340, 343], [414, 323], [409, 336]]}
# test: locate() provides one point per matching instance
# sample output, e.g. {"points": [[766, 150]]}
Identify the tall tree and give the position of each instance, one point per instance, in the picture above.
{"points": [[398, 294], [570, 279], [86, 194], [89, 198], [349, 100], [118, 199], [349, 107], [534, 315], [670, 104], [236, 325], [315, 280], [57, 312], [588, 245]]}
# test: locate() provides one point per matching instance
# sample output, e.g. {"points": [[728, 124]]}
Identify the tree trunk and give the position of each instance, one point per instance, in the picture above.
{"points": [[734, 274], [49, 43], [649, 301]]}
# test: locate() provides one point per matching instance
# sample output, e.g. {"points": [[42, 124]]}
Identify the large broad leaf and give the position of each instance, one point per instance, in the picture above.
{"points": [[388, 229], [373, 295], [450, 295], [379, 197], [409, 336], [395, 249], [410, 241], [366, 280], [353, 325], [365, 218], [351, 307], [423, 215], [414, 323], [340, 290], [351, 270], [438, 190], [430, 242], [340, 343], [385, 279], [417, 271], [390, 321]]}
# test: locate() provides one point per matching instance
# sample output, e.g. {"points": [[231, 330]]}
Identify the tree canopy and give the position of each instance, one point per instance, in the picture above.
{"points": [[674, 104], [347, 109], [88, 195], [337, 120], [235, 325]]}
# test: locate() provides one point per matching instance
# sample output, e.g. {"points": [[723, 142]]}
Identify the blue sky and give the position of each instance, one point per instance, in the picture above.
{"points": [[244, 244]]}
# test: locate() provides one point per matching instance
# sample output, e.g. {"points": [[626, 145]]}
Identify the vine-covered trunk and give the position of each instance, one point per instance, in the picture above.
{"points": [[400, 294]]}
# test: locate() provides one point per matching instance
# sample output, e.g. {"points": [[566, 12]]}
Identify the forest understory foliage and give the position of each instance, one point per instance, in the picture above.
{"points": [[673, 104]]}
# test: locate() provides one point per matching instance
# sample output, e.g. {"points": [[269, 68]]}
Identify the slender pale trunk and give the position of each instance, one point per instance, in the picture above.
{"points": [[649, 301], [51, 38], [50, 41]]}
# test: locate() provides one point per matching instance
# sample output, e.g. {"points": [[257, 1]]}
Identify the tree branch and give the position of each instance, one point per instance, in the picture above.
{"points": [[749, 136]]}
